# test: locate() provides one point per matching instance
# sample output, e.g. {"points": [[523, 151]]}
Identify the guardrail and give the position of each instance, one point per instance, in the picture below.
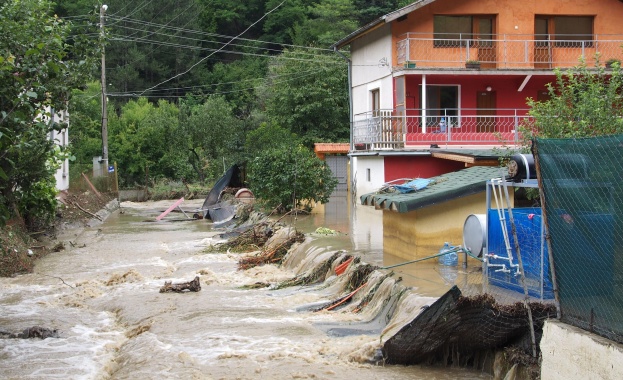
{"points": [[426, 50], [392, 129]]}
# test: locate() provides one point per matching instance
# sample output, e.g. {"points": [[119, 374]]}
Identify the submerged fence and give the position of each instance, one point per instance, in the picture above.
{"points": [[582, 182]]}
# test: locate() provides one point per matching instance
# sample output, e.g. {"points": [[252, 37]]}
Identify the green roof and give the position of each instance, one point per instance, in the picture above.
{"points": [[446, 187]]}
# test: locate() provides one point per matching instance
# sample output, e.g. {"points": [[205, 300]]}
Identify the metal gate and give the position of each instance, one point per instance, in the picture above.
{"points": [[339, 167]]}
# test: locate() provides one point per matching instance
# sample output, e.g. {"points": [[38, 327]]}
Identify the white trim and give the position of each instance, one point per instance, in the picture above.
{"points": [[374, 85]]}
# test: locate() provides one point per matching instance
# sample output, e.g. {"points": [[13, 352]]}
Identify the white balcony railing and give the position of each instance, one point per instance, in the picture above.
{"points": [[390, 129], [505, 51]]}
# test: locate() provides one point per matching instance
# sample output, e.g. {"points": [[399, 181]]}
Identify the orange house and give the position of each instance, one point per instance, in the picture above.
{"points": [[455, 75]]}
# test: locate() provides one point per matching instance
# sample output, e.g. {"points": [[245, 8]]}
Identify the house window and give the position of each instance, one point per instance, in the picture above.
{"points": [[454, 31], [567, 31], [375, 97], [368, 175]]}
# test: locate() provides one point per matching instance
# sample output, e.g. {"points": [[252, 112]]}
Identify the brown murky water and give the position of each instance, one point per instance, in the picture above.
{"points": [[101, 293]]}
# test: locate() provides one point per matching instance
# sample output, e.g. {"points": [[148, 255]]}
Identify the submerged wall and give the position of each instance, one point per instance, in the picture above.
{"points": [[422, 232], [572, 353]]}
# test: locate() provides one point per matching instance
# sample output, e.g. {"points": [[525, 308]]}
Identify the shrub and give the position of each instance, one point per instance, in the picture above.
{"points": [[289, 177]]}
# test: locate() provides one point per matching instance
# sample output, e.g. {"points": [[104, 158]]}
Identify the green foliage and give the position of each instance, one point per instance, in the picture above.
{"points": [[212, 136], [290, 176], [41, 61], [308, 95], [328, 21], [85, 137], [269, 136], [140, 141], [583, 102], [236, 81]]}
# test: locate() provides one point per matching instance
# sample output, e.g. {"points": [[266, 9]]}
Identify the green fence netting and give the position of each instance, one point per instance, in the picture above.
{"points": [[583, 198]]}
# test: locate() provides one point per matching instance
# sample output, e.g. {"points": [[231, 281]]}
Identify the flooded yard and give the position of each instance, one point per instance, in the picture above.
{"points": [[102, 295]]}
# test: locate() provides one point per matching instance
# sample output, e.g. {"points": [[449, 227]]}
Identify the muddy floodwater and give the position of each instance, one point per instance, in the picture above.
{"points": [[102, 295]]}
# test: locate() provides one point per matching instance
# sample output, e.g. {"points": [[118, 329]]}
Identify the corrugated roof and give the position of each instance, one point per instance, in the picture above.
{"points": [[331, 147], [447, 187]]}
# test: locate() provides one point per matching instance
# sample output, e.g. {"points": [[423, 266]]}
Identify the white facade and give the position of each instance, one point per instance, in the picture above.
{"points": [[371, 57], [368, 173], [61, 139]]}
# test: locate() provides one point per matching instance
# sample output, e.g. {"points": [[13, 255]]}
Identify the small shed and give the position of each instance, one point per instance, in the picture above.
{"points": [[335, 155], [417, 224]]}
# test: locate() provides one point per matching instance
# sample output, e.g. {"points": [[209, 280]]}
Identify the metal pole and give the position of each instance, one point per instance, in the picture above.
{"points": [[548, 240], [520, 261], [350, 112], [104, 100]]}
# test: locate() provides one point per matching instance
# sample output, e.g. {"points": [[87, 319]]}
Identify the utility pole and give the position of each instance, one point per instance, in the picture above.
{"points": [[104, 99]]}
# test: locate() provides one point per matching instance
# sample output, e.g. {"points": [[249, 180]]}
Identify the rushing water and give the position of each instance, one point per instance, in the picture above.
{"points": [[102, 295]]}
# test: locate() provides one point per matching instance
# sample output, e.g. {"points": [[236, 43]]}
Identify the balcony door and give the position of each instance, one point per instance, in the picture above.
{"points": [[485, 103], [442, 102]]}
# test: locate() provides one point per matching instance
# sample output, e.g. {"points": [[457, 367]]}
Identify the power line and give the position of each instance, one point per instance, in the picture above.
{"points": [[213, 50], [203, 59], [191, 31], [133, 94], [288, 76]]}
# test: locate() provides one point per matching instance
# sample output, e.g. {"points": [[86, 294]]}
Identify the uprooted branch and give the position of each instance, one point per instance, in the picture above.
{"points": [[193, 286]]}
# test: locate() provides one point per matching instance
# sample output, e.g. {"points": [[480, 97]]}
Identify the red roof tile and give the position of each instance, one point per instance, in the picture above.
{"points": [[331, 147]]}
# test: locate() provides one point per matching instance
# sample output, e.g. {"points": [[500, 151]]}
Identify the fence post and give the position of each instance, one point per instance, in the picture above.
{"points": [[116, 180], [552, 269]]}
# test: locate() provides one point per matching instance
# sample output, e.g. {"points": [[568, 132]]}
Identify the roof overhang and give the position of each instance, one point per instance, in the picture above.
{"points": [[446, 187], [380, 22], [470, 158]]}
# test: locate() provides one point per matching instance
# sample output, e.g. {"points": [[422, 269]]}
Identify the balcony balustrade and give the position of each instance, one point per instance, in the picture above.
{"points": [[509, 51], [404, 129]]}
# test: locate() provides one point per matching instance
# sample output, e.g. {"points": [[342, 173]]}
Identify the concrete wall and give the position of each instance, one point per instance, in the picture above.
{"points": [[360, 166], [572, 353]]}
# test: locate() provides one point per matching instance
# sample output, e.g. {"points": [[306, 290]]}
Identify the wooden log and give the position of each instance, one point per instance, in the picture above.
{"points": [[193, 286]]}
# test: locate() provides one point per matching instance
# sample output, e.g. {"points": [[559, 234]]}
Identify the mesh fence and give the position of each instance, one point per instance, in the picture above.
{"points": [[583, 199], [82, 178]]}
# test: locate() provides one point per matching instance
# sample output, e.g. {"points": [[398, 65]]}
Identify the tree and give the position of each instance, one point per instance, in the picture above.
{"points": [[327, 22], [290, 176], [141, 141], [212, 136], [583, 102], [307, 93], [40, 63]]}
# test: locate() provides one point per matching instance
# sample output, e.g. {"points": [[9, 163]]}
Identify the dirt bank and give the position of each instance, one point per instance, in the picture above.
{"points": [[20, 248]]}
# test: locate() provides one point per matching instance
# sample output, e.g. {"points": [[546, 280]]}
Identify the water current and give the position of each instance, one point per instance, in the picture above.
{"points": [[102, 295]]}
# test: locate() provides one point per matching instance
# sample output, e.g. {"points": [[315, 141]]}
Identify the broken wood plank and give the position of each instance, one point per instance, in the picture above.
{"points": [[177, 203]]}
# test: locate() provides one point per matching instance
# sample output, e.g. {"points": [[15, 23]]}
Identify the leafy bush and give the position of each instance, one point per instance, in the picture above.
{"points": [[584, 102], [289, 177]]}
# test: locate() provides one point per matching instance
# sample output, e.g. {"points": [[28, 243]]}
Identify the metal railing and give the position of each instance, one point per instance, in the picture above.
{"points": [[392, 129], [508, 51]]}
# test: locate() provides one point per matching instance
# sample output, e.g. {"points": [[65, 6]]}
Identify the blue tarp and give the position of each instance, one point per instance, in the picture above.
{"points": [[416, 184]]}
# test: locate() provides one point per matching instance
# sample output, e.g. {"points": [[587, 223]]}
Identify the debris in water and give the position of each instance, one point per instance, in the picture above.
{"points": [[193, 286], [31, 332]]}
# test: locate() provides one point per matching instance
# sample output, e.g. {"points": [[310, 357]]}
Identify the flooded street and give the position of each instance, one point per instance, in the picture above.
{"points": [[102, 295]]}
